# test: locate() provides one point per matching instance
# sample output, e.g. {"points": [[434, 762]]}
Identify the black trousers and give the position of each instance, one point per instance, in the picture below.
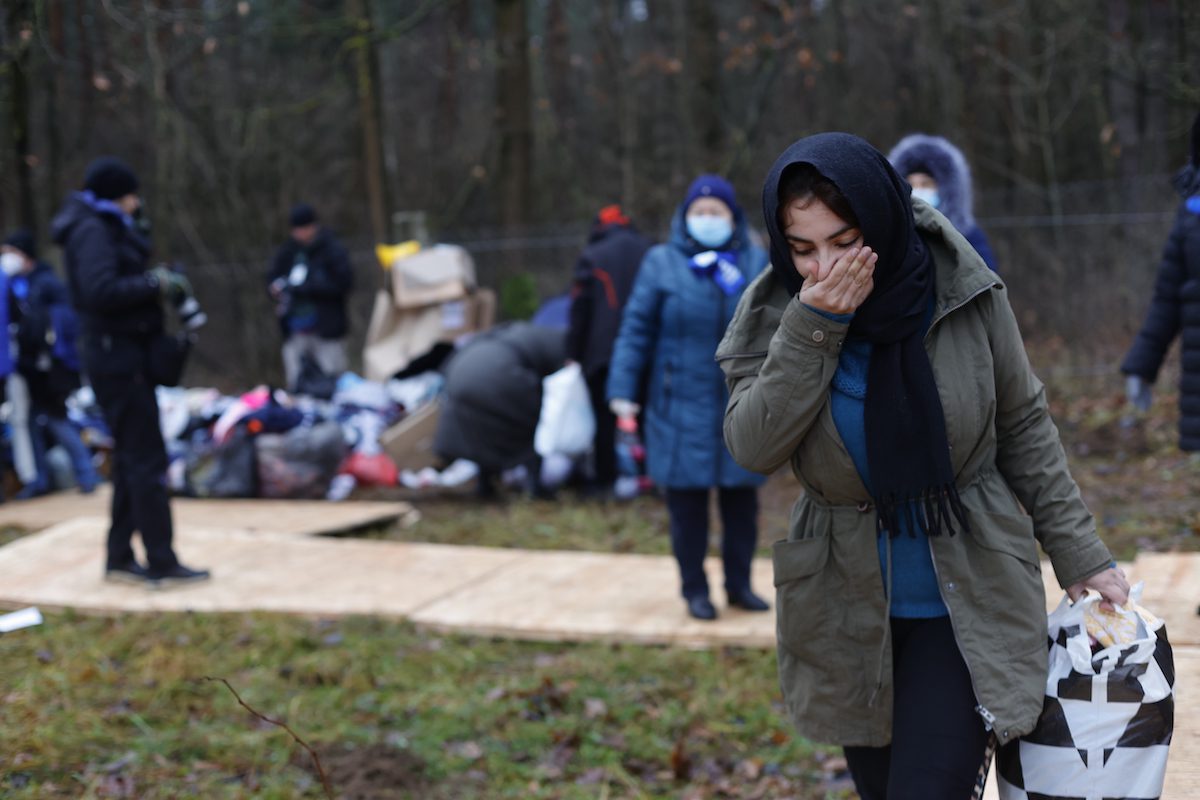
{"points": [[139, 501], [604, 445], [688, 509], [938, 740]]}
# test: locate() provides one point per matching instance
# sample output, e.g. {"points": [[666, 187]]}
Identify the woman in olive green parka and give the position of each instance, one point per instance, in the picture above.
{"points": [[879, 356]]}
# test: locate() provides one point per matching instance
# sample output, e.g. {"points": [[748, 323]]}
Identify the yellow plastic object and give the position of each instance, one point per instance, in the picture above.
{"points": [[390, 253], [1113, 627]]}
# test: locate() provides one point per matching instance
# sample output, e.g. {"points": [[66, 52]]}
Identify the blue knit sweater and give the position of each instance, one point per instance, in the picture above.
{"points": [[914, 583]]}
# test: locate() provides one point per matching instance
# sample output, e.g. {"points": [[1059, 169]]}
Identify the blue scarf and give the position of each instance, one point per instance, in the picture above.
{"points": [[101, 206], [721, 266]]}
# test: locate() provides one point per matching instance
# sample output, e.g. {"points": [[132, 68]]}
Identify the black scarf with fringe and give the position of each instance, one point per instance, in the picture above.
{"points": [[907, 450]]}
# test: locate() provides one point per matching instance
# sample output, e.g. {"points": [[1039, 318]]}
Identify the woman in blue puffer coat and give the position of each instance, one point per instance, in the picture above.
{"points": [[664, 358]]}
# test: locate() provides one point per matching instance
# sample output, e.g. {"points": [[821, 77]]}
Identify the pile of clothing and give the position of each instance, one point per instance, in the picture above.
{"points": [[268, 443]]}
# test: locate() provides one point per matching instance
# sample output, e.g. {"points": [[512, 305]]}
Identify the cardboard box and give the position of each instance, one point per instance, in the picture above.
{"points": [[410, 441], [433, 275], [397, 336]]}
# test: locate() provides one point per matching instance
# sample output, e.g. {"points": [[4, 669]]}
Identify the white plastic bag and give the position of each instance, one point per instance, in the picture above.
{"points": [[566, 425], [1108, 716]]}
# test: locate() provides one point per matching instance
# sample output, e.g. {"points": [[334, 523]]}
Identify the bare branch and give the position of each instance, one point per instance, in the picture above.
{"points": [[313, 753]]}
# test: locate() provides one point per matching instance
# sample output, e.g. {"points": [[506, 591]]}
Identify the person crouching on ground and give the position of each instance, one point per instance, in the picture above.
{"points": [[880, 357], [119, 301], [684, 295], [492, 399]]}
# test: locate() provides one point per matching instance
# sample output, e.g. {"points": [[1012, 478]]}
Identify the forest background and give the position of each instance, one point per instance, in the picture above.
{"points": [[507, 123]]}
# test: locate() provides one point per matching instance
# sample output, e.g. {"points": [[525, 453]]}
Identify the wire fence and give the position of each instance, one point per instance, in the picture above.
{"points": [[1079, 263]]}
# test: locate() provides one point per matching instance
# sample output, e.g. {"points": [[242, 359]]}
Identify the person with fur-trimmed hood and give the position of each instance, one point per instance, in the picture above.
{"points": [[939, 175]]}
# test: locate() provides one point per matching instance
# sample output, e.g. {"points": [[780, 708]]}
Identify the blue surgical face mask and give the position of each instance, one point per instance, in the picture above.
{"points": [[708, 230], [928, 195]]}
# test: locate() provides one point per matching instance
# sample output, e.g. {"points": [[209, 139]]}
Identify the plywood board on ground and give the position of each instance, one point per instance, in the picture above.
{"points": [[63, 566], [572, 596], [296, 517], [1172, 592], [1183, 764]]}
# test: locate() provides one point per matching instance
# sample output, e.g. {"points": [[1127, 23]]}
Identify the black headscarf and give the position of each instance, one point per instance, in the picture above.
{"points": [[907, 450]]}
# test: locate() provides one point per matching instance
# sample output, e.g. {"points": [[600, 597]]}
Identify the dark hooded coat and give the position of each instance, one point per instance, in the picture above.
{"points": [[1175, 305], [119, 305], [945, 163], [603, 280], [493, 395], [330, 279]]}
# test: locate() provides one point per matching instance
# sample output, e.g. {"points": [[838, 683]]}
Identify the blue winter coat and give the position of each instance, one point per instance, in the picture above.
{"points": [[664, 359], [6, 360]]}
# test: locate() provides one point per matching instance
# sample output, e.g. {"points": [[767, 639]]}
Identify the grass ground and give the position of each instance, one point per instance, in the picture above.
{"points": [[119, 706]]}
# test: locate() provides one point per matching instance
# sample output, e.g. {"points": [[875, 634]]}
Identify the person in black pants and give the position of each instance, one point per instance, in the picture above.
{"points": [[119, 301], [604, 278], [937, 736], [688, 510]]}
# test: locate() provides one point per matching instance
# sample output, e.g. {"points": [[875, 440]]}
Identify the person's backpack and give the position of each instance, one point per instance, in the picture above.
{"points": [[47, 344]]}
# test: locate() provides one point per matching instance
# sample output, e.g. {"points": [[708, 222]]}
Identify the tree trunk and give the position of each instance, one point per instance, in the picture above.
{"points": [[703, 65], [54, 186], [366, 72], [1122, 89], [17, 56], [1156, 66], [514, 113]]}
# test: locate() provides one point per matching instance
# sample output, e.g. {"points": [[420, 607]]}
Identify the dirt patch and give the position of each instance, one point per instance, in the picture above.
{"points": [[368, 772], [1117, 438]]}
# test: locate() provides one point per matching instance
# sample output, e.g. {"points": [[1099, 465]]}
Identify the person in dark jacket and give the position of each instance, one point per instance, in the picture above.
{"points": [[684, 296], [604, 278], [119, 300], [47, 329], [309, 280], [1174, 309], [938, 173], [493, 397]]}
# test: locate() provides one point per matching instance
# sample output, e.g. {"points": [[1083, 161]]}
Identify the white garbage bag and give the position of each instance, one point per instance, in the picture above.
{"points": [[1109, 710], [566, 425]]}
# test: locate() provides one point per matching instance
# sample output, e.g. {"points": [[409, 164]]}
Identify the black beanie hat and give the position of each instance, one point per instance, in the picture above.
{"points": [[302, 214], [109, 178], [23, 240]]}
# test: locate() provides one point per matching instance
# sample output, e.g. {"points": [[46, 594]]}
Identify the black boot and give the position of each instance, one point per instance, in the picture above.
{"points": [[748, 601], [701, 607]]}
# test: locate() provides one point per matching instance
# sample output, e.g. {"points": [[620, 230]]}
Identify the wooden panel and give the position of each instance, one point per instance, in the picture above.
{"points": [[591, 596], [296, 517], [63, 566]]}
